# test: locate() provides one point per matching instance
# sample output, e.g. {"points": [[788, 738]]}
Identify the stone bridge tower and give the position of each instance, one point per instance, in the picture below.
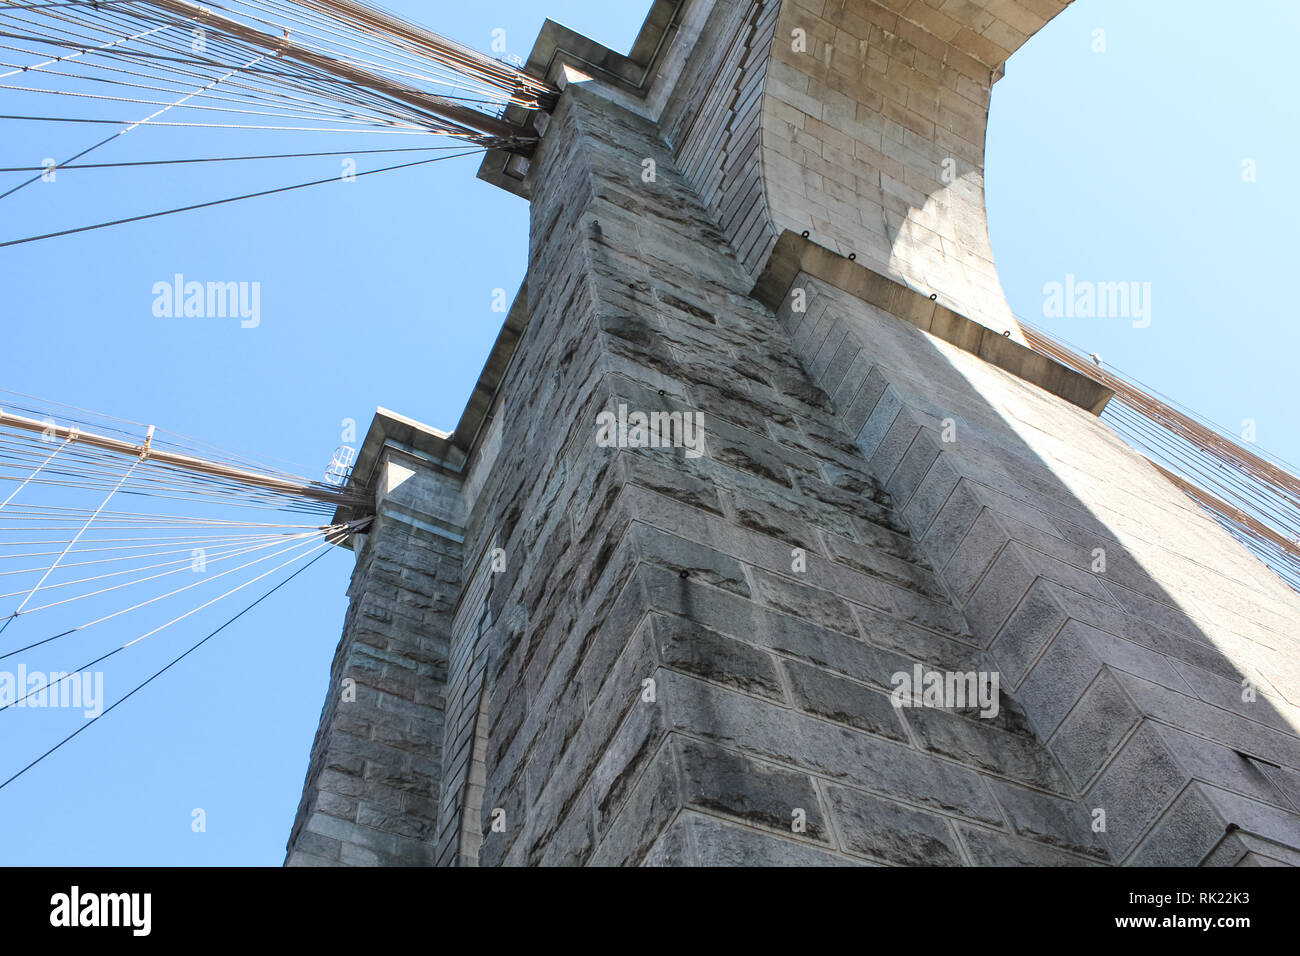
{"points": [[768, 217]]}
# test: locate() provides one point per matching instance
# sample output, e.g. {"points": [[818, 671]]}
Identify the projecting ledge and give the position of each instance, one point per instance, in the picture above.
{"points": [[794, 254], [395, 444], [627, 76]]}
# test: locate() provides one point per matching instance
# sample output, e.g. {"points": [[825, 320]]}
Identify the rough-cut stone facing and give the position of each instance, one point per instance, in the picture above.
{"points": [[371, 795], [1163, 669], [670, 679]]}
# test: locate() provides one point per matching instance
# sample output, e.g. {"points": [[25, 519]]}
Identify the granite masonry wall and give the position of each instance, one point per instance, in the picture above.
{"points": [[690, 657], [371, 794], [1154, 655]]}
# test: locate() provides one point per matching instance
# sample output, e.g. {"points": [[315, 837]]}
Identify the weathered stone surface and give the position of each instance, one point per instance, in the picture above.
{"points": [[376, 766], [716, 843], [1048, 819], [823, 694], [1101, 718], [890, 832], [975, 741], [752, 792], [700, 652], [988, 848]]}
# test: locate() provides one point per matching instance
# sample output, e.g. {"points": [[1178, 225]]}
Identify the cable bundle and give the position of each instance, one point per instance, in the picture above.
{"points": [[341, 68], [80, 547], [1255, 497]]}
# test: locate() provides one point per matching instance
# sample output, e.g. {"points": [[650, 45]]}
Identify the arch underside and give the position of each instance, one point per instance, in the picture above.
{"points": [[862, 123]]}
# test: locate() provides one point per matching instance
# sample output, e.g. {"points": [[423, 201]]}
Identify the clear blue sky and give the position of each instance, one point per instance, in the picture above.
{"points": [[1127, 166], [1115, 166]]}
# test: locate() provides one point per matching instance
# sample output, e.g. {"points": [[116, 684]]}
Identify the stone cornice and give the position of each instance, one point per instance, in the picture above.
{"points": [[793, 254]]}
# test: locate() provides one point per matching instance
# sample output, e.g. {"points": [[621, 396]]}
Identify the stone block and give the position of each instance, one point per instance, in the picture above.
{"points": [[833, 698], [890, 832]]}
